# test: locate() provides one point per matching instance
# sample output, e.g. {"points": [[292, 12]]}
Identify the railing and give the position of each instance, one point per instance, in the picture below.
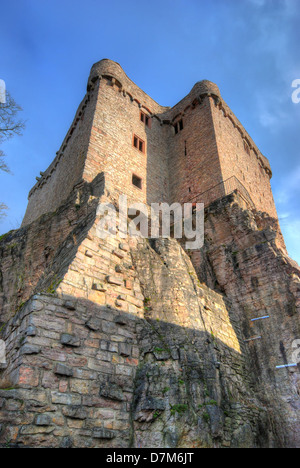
{"points": [[221, 190]]}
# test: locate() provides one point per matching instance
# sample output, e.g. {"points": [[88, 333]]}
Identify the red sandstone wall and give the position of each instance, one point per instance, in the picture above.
{"points": [[235, 161], [116, 121], [66, 169], [194, 164]]}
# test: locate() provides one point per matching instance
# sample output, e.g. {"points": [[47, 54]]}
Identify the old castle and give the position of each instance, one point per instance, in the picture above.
{"points": [[195, 150], [137, 343]]}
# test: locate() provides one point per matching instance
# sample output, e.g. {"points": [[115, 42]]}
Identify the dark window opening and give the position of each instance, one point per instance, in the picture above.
{"points": [[178, 126], [137, 181], [145, 119], [139, 144]]}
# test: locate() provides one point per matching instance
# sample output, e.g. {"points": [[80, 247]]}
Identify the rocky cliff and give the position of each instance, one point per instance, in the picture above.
{"points": [[137, 343]]}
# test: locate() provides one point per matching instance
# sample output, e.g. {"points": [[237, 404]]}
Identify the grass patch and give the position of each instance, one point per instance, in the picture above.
{"points": [[5, 235], [179, 409], [54, 285]]}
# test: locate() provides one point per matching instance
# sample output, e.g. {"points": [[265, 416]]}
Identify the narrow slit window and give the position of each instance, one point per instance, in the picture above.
{"points": [[139, 144], [137, 181]]}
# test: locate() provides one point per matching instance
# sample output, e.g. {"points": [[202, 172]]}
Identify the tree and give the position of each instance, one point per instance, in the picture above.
{"points": [[10, 125]]}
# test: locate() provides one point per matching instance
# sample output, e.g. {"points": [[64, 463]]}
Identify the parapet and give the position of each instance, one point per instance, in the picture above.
{"points": [[206, 87], [109, 69]]}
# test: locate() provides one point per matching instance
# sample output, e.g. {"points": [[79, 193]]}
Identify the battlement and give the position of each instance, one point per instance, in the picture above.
{"points": [[184, 150]]}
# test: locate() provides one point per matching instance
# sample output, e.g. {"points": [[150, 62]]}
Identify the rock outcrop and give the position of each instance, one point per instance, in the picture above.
{"points": [[137, 343]]}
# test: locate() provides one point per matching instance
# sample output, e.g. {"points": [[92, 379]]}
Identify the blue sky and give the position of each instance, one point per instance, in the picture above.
{"points": [[250, 48]]}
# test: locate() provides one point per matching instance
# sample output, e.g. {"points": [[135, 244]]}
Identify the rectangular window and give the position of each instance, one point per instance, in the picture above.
{"points": [[178, 126], [138, 143], [137, 181], [145, 119]]}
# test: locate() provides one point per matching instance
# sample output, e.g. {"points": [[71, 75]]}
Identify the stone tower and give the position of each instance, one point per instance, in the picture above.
{"points": [[196, 150], [134, 343]]}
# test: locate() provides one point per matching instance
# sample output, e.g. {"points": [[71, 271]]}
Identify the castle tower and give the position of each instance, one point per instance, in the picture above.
{"points": [[124, 342], [194, 151]]}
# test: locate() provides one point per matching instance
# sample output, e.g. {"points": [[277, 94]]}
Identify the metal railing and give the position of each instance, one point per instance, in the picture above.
{"points": [[222, 189]]}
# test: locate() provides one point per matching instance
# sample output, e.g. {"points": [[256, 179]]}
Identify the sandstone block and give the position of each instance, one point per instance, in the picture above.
{"points": [[70, 340], [61, 369], [114, 280], [103, 434]]}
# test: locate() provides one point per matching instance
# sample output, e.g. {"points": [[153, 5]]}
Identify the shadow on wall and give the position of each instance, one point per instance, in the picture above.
{"points": [[30, 258], [82, 375]]}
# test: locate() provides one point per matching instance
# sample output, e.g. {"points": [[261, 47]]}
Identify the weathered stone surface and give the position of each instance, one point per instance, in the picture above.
{"points": [[125, 349], [31, 331], [134, 342], [61, 369], [103, 434], [70, 305], [70, 340], [30, 349], [75, 412], [65, 399], [110, 389], [99, 287], [93, 324], [43, 420], [114, 280]]}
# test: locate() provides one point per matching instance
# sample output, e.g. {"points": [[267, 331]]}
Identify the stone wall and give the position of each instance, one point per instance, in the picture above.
{"points": [[130, 349], [194, 164], [111, 150], [164, 370], [27, 256], [247, 164], [57, 182]]}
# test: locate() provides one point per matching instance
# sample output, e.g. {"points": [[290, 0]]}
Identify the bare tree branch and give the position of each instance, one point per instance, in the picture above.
{"points": [[3, 165], [9, 124], [3, 209]]}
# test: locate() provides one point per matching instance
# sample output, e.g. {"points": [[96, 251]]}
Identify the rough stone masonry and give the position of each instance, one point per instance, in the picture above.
{"points": [[134, 342]]}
